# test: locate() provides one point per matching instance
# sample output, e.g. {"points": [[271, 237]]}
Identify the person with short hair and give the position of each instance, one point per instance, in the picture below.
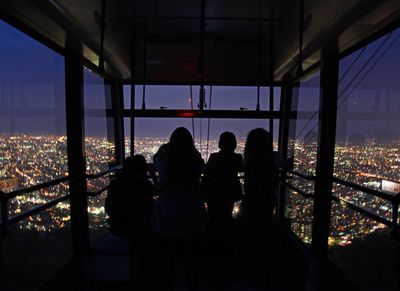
{"points": [[220, 181]]}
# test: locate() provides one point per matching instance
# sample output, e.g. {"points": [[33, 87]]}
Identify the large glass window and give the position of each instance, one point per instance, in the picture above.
{"points": [[367, 153], [99, 127], [32, 111], [99, 146], [149, 135], [165, 96], [33, 150], [33, 140], [303, 143], [187, 97]]}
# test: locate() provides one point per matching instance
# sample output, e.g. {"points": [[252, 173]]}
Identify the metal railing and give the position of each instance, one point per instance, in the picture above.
{"points": [[394, 199], [5, 197], [99, 175]]}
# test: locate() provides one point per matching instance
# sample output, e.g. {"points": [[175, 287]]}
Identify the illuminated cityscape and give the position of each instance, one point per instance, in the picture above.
{"points": [[28, 160]]}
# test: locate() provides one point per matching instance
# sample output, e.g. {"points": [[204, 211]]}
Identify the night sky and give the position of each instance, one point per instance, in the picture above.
{"points": [[32, 99]]}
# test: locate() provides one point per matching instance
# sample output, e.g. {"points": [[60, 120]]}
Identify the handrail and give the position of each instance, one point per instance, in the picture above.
{"points": [[363, 211], [38, 209], [103, 173], [5, 197], [13, 194], [298, 190], [302, 175], [98, 192], [393, 198]]}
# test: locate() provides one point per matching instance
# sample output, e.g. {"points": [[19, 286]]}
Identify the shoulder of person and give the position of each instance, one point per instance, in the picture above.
{"points": [[238, 156], [213, 157]]}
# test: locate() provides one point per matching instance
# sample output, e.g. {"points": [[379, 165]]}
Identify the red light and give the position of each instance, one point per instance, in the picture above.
{"points": [[186, 114]]}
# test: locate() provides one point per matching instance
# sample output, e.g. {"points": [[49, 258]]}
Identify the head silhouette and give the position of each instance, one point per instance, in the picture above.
{"points": [[181, 140], [139, 165], [259, 141], [227, 141]]}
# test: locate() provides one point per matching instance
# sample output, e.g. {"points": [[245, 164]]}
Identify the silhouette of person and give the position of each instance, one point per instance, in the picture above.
{"points": [[220, 181], [260, 177], [257, 204], [129, 202], [179, 213]]}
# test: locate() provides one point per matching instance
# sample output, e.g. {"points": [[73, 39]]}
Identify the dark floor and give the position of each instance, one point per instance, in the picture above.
{"points": [[223, 264]]}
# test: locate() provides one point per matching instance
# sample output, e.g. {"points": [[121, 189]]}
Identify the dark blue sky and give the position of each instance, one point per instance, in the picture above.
{"points": [[32, 98]]}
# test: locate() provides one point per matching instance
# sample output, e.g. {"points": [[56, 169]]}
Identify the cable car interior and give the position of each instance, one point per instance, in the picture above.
{"points": [[85, 84]]}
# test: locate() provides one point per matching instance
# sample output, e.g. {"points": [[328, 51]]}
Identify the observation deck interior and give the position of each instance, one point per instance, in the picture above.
{"points": [[322, 76]]}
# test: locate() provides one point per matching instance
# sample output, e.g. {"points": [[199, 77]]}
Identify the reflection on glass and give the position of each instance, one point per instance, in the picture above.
{"points": [[33, 143], [98, 224], [303, 144], [27, 201], [367, 153], [187, 97], [299, 215], [166, 96], [127, 96], [99, 128], [127, 136], [303, 136]]}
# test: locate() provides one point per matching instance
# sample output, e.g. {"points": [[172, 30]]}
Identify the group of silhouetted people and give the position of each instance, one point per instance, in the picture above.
{"points": [[167, 223]]}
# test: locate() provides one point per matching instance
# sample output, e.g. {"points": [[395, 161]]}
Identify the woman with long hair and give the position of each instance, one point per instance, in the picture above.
{"points": [[257, 206], [179, 213]]}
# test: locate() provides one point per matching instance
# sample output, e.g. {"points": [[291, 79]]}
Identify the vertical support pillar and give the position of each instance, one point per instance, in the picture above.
{"points": [[395, 217], [4, 215], [132, 119], [110, 120], [133, 89], [271, 71], [76, 153], [285, 106], [325, 164], [117, 109]]}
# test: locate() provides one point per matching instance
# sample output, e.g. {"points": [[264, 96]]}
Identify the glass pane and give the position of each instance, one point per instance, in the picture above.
{"points": [[149, 135], [368, 134], [299, 215], [303, 144], [240, 127], [99, 128], [98, 224], [32, 111], [127, 135], [367, 153], [127, 96], [167, 97], [36, 248], [25, 202], [303, 136], [217, 97]]}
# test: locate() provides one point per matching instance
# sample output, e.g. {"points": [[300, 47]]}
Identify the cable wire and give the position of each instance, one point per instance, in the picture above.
{"points": [[366, 73], [348, 85], [191, 106]]}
